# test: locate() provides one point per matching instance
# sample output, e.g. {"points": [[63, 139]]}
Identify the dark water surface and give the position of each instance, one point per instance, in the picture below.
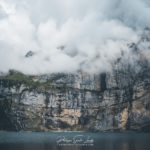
{"points": [[73, 141]]}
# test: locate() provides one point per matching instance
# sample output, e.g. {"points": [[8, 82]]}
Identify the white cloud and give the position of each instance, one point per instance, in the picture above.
{"points": [[91, 33]]}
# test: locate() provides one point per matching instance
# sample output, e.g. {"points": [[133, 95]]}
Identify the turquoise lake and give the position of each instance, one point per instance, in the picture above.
{"points": [[73, 141]]}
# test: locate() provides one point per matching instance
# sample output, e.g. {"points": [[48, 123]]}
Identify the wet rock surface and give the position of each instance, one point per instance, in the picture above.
{"points": [[75, 102]]}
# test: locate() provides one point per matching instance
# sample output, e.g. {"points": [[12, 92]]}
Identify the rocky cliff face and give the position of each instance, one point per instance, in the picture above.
{"points": [[116, 100]]}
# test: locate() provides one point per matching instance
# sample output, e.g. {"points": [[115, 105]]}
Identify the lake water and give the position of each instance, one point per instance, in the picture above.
{"points": [[73, 141]]}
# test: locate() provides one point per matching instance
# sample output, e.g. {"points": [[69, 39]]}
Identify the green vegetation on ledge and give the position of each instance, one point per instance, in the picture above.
{"points": [[15, 77]]}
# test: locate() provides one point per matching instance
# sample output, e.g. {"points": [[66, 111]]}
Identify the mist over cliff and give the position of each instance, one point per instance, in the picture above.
{"points": [[45, 36]]}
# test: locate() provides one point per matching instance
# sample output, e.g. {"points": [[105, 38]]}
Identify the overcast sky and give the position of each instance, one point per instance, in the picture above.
{"points": [[67, 35]]}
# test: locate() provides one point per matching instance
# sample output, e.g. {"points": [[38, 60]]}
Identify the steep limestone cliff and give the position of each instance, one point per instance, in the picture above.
{"points": [[115, 100]]}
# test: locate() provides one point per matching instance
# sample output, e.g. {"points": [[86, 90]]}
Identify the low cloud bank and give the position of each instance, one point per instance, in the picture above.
{"points": [[68, 35]]}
